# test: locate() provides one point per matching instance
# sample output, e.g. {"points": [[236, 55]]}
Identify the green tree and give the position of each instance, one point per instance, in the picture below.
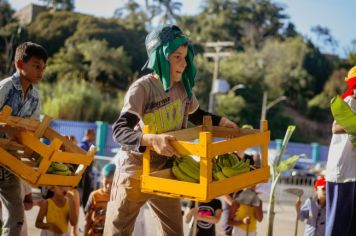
{"points": [[324, 37], [217, 21], [6, 13], [132, 16], [166, 10], [260, 19], [92, 61], [229, 105], [52, 29], [60, 99]]}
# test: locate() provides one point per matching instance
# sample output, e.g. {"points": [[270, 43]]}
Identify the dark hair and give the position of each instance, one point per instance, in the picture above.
{"points": [[27, 50], [89, 131]]}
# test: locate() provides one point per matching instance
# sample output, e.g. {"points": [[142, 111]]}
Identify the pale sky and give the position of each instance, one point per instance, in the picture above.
{"points": [[337, 15]]}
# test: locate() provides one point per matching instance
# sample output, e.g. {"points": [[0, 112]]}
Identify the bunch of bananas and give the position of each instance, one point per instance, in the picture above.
{"points": [[59, 169], [227, 165], [186, 169]]}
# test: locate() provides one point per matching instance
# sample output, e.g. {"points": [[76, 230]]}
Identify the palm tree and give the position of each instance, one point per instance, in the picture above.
{"points": [[169, 13]]}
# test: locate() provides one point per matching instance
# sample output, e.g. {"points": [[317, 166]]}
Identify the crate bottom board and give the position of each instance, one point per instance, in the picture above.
{"points": [[58, 180], [163, 183]]}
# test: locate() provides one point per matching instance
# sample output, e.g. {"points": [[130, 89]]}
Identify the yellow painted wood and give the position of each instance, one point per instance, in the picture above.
{"points": [[39, 132], [207, 124], [205, 159], [205, 140], [32, 142], [10, 145], [72, 158], [69, 146], [171, 186], [58, 180], [223, 132], [61, 150], [163, 183], [263, 125], [234, 183], [146, 161], [17, 167], [240, 143], [186, 134], [187, 148]]}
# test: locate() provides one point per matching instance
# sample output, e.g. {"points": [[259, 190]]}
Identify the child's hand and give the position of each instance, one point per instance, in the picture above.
{"points": [[298, 204], [225, 122], [161, 144], [246, 220], [54, 228]]}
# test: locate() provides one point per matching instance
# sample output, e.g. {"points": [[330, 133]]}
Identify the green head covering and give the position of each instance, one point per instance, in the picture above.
{"points": [[160, 43]]}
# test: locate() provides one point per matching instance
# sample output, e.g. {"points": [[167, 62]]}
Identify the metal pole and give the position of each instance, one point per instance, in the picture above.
{"points": [[218, 46], [264, 105], [215, 77]]}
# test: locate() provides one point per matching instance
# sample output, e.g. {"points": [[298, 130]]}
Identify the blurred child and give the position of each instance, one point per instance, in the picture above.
{"points": [[19, 92], [59, 211], [207, 215], [341, 172], [314, 210], [28, 203], [244, 215], [76, 200], [95, 210]]}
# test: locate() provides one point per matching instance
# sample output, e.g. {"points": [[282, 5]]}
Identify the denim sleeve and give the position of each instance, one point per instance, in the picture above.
{"points": [[4, 91]]}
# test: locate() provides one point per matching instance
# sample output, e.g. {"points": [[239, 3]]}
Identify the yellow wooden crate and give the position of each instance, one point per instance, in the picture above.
{"points": [[29, 158], [164, 183]]}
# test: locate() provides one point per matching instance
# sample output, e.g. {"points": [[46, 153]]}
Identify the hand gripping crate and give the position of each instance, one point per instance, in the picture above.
{"points": [[164, 183], [29, 158]]}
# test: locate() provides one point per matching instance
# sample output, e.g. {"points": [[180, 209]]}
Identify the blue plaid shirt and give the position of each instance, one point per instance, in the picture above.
{"points": [[11, 94]]}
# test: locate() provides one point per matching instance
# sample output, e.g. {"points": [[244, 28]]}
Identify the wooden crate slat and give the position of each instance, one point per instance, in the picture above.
{"points": [[164, 184], [171, 186], [223, 132], [243, 143], [68, 145], [186, 148], [23, 165], [186, 134], [58, 180], [229, 185], [73, 158], [32, 142], [12, 163], [8, 144], [29, 124]]}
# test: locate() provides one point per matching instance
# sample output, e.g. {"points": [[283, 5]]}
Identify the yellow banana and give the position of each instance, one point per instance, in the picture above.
{"points": [[180, 175], [59, 166], [66, 172], [188, 170]]}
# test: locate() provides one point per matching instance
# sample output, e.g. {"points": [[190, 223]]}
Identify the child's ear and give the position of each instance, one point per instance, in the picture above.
{"points": [[19, 64]]}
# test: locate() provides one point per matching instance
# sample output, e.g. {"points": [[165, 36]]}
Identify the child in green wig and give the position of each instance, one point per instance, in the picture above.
{"points": [[164, 100]]}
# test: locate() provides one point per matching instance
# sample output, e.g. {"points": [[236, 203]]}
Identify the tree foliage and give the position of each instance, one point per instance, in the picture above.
{"points": [[94, 58], [92, 61], [60, 99]]}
